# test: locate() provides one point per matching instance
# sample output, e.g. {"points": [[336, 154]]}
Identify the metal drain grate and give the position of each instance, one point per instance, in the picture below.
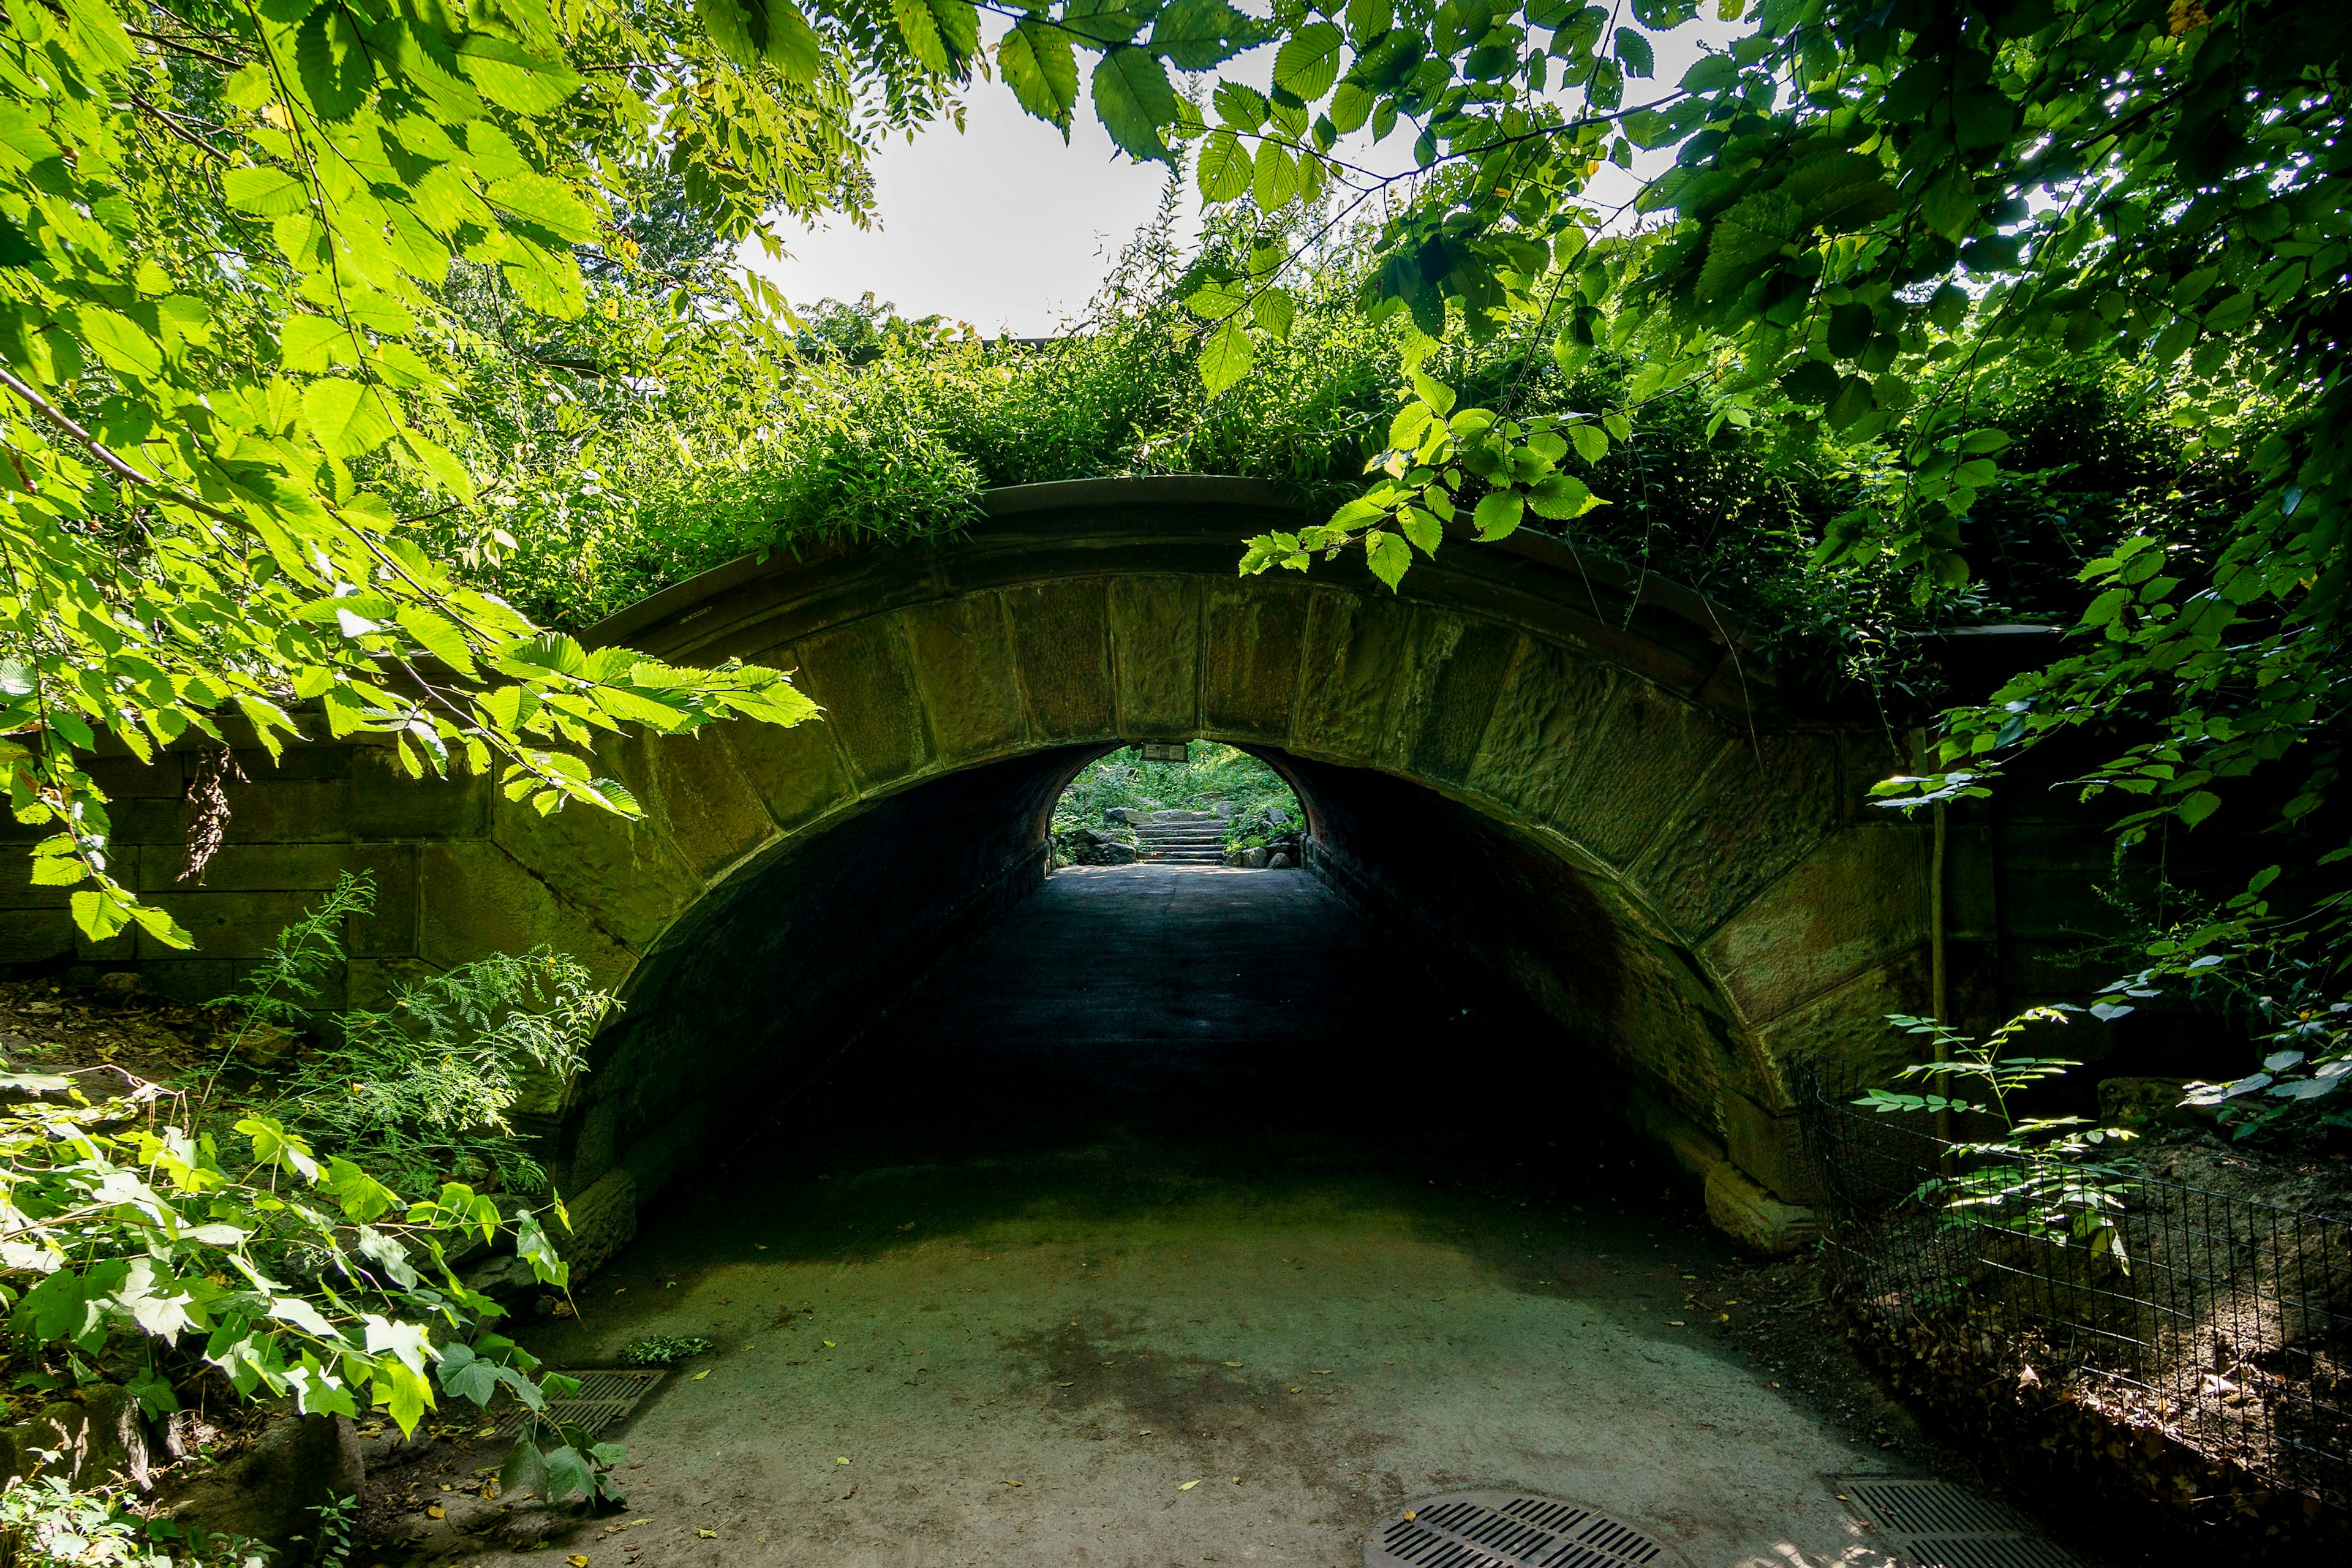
{"points": [[1508, 1529], [1935, 1524], [604, 1400]]}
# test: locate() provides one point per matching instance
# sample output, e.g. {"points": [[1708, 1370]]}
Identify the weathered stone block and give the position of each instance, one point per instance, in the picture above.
{"points": [[1754, 1218], [391, 930], [1461, 703], [654, 1160], [188, 979], [244, 867], [128, 778], [1857, 902], [227, 924], [477, 899], [604, 1221], [1647, 759], [1546, 713], [1349, 669], [860, 675], [1766, 1145], [1768, 800], [1255, 631], [706, 808], [284, 810], [385, 803], [622, 875], [1155, 629], [798, 772], [965, 673], [1061, 636], [595, 1147], [1842, 1037]]}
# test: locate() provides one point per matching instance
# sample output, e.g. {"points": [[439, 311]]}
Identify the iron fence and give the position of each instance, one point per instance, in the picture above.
{"points": [[2225, 1320]]}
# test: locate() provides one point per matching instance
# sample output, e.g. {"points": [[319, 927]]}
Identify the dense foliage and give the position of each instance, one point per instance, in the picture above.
{"points": [[1261, 806]]}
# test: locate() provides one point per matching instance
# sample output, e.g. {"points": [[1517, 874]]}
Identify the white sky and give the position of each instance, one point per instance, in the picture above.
{"points": [[1008, 230]]}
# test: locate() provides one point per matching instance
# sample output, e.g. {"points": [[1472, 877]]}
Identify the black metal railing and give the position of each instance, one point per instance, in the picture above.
{"points": [[2225, 1320]]}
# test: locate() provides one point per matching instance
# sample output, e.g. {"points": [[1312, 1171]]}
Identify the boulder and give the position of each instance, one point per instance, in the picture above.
{"points": [[1255, 859], [119, 987], [1279, 861], [95, 1436], [2143, 1103], [266, 1046], [1236, 859], [266, 1493]]}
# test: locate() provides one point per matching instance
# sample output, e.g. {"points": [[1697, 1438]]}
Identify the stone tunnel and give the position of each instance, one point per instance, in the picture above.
{"points": [[1561, 775]]}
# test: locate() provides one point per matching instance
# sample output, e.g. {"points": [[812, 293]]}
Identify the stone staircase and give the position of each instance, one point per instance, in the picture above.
{"points": [[1180, 838]]}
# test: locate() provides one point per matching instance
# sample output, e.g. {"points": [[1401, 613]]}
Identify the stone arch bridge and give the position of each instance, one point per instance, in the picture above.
{"points": [[1548, 770]]}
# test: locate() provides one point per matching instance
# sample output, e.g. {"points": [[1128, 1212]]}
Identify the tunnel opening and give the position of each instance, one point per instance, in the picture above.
{"points": [[1181, 802], [1405, 987]]}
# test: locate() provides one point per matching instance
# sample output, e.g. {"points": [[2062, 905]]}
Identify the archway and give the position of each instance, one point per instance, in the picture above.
{"points": [[1607, 810]]}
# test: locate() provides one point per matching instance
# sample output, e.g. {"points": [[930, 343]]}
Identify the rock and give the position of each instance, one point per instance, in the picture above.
{"points": [[98, 1436], [503, 1278], [1255, 859], [1279, 861], [119, 987], [1236, 859], [266, 1046], [1097, 847], [266, 1493], [2148, 1102], [604, 1221]]}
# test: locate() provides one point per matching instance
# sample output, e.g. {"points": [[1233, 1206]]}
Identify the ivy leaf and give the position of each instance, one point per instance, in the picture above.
{"points": [[1226, 356], [1041, 69], [1134, 100], [1308, 61]]}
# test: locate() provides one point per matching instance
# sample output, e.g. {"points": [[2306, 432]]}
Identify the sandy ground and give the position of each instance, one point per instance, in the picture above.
{"points": [[1180, 1221]]}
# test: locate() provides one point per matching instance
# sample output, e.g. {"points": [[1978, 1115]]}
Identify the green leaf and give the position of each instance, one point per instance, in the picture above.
{"points": [[1951, 206], [120, 341], [549, 202], [1274, 180], [1389, 557], [920, 27], [1273, 312], [512, 78], [1633, 53], [1196, 35], [1839, 190], [1745, 238], [1498, 512], [1226, 356], [307, 343], [1225, 168], [332, 65], [1308, 61], [347, 418], [1133, 100], [1042, 72], [265, 191], [1590, 441]]}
